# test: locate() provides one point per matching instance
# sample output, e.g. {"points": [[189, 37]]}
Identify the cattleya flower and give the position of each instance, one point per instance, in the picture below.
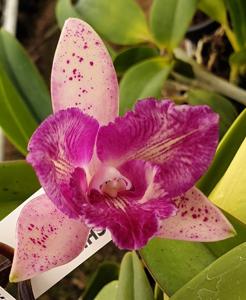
{"points": [[133, 175]]}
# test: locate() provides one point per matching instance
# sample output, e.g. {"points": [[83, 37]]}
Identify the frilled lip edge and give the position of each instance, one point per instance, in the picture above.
{"points": [[24, 288]]}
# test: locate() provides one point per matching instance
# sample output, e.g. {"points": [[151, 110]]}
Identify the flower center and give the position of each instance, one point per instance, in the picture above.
{"points": [[113, 187]]}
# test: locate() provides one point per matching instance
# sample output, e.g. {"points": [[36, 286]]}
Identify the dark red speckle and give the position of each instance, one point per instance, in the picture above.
{"points": [[91, 63]]}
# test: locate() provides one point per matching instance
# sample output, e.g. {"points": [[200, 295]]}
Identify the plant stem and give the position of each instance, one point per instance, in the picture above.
{"points": [[231, 37], [210, 81]]}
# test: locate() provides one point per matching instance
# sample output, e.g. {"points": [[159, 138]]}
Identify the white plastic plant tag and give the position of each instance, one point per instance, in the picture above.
{"points": [[4, 295], [41, 283]]}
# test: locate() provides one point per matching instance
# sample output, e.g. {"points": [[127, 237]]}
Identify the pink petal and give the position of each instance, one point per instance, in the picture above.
{"points": [[132, 216], [46, 238], [83, 75], [197, 219], [179, 139], [62, 143]]}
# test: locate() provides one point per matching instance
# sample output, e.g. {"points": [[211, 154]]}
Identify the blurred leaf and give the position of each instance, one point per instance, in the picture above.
{"points": [[15, 119], [145, 79], [216, 10], [119, 21], [64, 10], [225, 153], [238, 58], [174, 263], [158, 293], [230, 192], [17, 182], [129, 57], [106, 273], [109, 291], [224, 279], [170, 19], [133, 282], [218, 103], [237, 12], [25, 76]]}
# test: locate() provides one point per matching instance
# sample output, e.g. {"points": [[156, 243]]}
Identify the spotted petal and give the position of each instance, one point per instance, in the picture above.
{"points": [[46, 238], [63, 143], [197, 219], [179, 139], [83, 75]]}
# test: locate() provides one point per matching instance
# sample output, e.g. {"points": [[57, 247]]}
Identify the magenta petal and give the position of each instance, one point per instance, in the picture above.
{"points": [[83, 74], [133, 215], [180, 139], [131, 226], [197, 219], [46, 238], [62, 143]]}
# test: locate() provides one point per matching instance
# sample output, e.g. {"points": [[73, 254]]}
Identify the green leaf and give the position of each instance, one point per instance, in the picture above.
{"points": [[221, 247], [218, 103], [129, 57], [230, 192], [64, 10], [119, 21], [225, 153], [237, 12], [170, 19], [238, 58], [133, 282], [216, 10], [15, 119], [224, 279], [106, 273], [174, 263], [25, 76], [145, 79], [17, 182], [109, 291]]}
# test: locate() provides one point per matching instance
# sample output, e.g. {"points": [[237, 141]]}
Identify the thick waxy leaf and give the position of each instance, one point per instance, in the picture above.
{"points": [[218, 103], [223, 279], [83, 75], [143, 80], [174, 263], [16, 120], [25, 76], [133, 282], [230, 191], [106, 273], [126, 23], [225, 153], [129, 57], [170, 19], [237, 12], [216, 10], [221, 247], [17, 182], [46, 238], [109, 291], [64, 10]]}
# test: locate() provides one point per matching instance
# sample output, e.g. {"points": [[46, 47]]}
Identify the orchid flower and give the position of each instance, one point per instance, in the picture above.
{"points": [[133, 175]]}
